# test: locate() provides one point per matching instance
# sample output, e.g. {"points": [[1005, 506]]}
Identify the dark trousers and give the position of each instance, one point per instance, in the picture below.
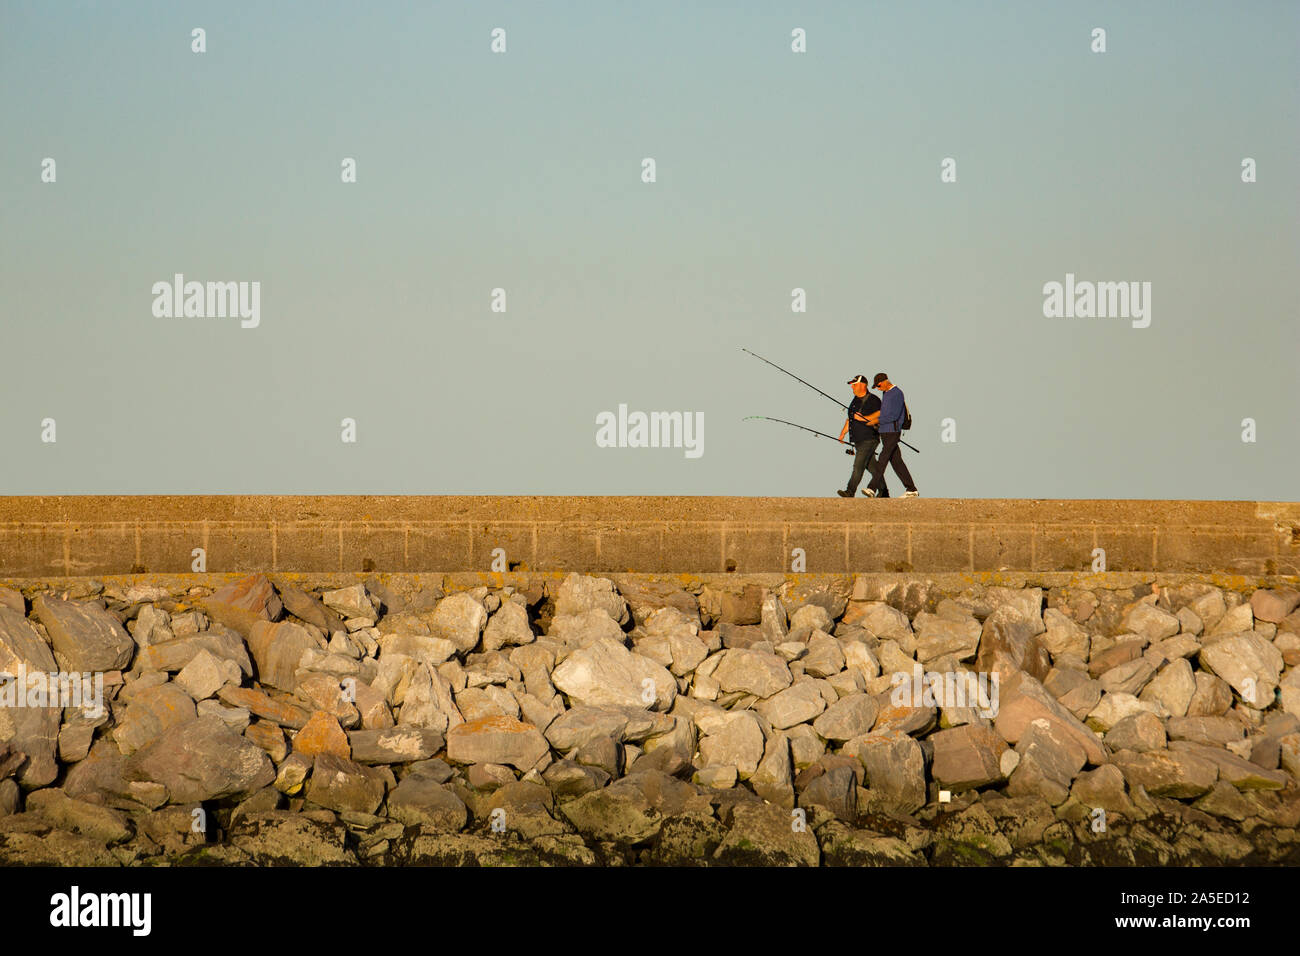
{"points": [[863, 461], [890, 454]]}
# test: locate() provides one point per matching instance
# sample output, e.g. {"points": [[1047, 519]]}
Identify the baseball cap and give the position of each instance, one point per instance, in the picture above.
{"points": [[857, 378], [880, 377]]}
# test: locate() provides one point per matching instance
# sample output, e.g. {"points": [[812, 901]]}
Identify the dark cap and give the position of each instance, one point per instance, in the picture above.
{"points": [[880, 377], [858, 378]]}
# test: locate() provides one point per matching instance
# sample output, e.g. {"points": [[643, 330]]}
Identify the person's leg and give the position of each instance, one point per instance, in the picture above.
{"points": [[900, 468], [888, 440], [884, 486], [861, 461]]}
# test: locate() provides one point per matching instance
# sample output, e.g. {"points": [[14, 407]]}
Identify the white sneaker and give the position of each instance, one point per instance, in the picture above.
{"points": [[868, 492], [911, 494]]}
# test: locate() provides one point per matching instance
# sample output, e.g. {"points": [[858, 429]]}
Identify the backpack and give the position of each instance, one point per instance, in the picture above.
{"points": [[907, 419]]}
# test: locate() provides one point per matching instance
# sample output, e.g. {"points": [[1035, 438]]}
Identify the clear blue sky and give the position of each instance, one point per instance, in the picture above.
{"points": [[775, 170]]}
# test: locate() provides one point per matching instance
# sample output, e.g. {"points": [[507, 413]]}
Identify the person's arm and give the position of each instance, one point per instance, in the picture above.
{"points": [[844, 430], [893, 404], [869, 419]]}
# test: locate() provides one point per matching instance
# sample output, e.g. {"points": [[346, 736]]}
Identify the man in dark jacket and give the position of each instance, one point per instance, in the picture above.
{"points": [[864, 412], [893, 410]]}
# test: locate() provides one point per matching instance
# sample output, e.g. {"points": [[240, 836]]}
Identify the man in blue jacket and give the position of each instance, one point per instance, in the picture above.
{"points": [[892, 412]]}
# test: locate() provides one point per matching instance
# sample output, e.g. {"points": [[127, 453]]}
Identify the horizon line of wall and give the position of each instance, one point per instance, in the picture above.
{"points": [[71, 535]]}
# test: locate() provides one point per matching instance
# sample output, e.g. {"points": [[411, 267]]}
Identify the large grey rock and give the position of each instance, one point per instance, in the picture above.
{"points": [[1290, 691], [888, 624], [763, 835], [735, 739], [824, 657], [967, 757], [429, 702], [508, 627], [1115, 707], [281, 838], [1024, 700], [1151, 622], [1212, 697], [206, 674], [568, 778], [1216, 731], [774, 778], [620, 813], [773, 619], [687, 651], [421, 647], [1250, 664], [535, 662], [585, 628], [1139, 732], [1289, 754], [1050, 759], [13, 600], [351, 602], [752, 671], [174, 655], [32, 731], [307, 607], [1164, 773], [459, 618], [848, 717], [895, 769], [78, 816], [859, 659], [835, 790], [943, 636], [1172, 687], [606, 673], [85, 636], [1128, 678], [150, 713], [102, 778], [1063, 637], [1272, 605], [796, 704], [582, 725], [1009, 641], [1027, 602], [201, 760], [394, 744], [580, 592], [1238, 619], [241, 605], [1209, 606], [496, 740], [812, 616], [1241, 773], [344, 786], [420, 801], [151, 626], [1104, 788]]}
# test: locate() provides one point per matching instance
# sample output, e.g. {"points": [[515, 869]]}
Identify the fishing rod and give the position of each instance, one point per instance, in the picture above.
{"points": [[819, 392], [847, 451], [797, 379]]}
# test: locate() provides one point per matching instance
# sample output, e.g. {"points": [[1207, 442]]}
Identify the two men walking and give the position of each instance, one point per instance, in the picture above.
{"points": [[876, 421]]}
